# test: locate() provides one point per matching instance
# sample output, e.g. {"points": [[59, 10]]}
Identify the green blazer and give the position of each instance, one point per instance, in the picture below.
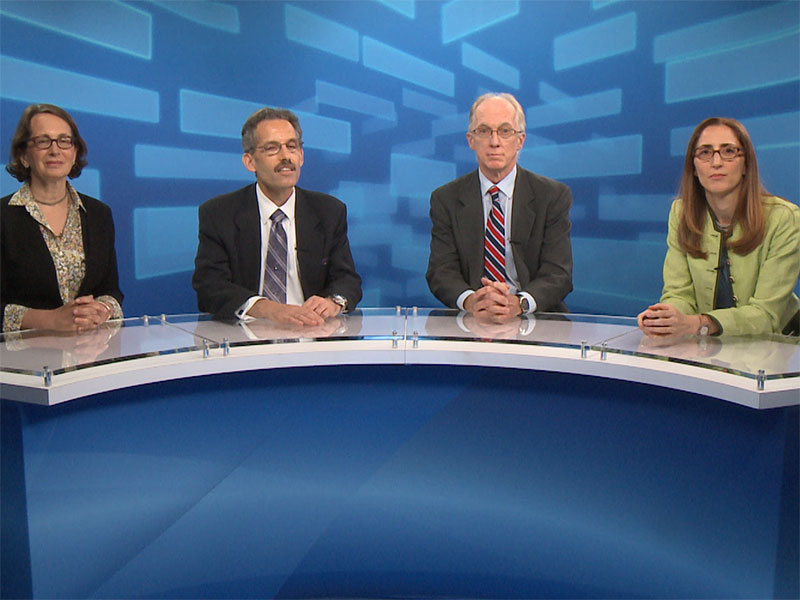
{"points": [[763, 280]]}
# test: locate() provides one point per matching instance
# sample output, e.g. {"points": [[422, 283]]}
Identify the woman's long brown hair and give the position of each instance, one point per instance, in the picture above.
{"points": [[749, 212]]}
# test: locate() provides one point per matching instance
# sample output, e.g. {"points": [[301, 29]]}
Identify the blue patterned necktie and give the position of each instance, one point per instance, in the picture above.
{"points": [[275, 267], [494, 247]]}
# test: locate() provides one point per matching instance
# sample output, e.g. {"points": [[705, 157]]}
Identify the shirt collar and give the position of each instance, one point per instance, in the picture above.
{"points": [[506, 184], [24, 197], [267, 206]]}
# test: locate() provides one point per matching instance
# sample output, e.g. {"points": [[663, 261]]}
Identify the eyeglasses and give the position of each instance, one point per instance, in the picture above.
{"points": [[272, 148], [504, 132], [706, 153], [43, 142]]}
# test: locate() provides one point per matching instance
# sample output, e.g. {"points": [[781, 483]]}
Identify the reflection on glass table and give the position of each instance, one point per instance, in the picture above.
{"points": [[777, 355], [368, 323], [548, 329], [28, 352]]}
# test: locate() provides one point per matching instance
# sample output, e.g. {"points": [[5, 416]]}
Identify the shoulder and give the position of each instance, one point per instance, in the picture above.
{"points": [[224, 201], [781, 217], [777, 209], [455, 186], [94, 206], [318, 201], [10, 213], [540, 184]]}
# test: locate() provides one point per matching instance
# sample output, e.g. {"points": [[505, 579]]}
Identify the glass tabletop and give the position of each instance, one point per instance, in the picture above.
{"points": [[546, 329], [33, 352], [362, 324], [778, 356]]}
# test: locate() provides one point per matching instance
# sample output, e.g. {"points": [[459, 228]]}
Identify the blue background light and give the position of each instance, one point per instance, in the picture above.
{"points": [[611, 92]]}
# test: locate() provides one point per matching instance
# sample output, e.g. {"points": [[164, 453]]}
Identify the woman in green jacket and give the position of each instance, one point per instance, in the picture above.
{"points": [[733, 254]]}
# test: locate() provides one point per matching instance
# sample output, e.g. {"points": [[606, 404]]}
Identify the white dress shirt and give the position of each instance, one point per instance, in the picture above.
{"points": [[294, 291]]}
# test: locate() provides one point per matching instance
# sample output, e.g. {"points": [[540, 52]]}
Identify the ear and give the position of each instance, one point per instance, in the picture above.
{"points": [[248, 162], [470, 141]]}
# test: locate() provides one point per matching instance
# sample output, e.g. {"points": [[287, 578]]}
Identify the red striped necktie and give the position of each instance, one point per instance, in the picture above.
{"points": [[494, 246]]}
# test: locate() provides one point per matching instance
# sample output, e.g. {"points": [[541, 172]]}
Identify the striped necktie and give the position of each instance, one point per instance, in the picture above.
{"points": [[494, 246], [275, 267]]}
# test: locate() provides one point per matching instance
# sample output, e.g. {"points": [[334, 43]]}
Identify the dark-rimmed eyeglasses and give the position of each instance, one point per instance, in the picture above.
{"points": [[706, 153], [44, 142], [272, 148], [504, 132]]}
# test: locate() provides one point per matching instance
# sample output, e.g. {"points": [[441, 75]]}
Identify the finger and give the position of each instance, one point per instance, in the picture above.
{"points": [[309, 317], [500, 287], [85, 310]]}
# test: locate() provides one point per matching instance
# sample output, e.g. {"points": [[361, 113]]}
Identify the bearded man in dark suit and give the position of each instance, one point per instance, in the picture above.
{"points": [[525, 265], [252, 262]]}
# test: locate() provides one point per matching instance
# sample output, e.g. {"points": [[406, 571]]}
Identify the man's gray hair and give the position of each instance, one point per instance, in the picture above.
{"points": [[519, 114], [249, 140]]}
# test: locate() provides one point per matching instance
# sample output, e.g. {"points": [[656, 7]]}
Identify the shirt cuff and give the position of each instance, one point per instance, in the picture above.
{"points": [[241, 312], [12, 317], [531, 303], [464, 295]]}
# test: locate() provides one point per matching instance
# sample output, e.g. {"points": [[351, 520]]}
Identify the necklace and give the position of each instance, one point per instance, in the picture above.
{"points": [[51, 203]]}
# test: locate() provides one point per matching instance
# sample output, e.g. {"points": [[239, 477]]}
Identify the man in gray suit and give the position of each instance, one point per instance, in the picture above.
{"points": [[500, 244]]}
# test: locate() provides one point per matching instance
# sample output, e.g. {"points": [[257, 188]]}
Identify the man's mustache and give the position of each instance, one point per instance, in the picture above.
{"points": [[285, 163]]}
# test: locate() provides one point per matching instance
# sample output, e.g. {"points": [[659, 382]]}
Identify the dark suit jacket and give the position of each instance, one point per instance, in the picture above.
{"points": [[539, 239], [28, 274], [227, 267]]}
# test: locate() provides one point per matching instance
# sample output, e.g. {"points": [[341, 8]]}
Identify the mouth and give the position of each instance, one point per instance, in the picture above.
{"points": [[285, 168]]}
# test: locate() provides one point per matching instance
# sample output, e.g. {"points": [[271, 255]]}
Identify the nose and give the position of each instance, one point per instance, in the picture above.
{"points": [[494, 138], [716, 158]]}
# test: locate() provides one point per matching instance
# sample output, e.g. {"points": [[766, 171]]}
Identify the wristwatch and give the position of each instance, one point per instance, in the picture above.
{"points": [[340, 300], [703, 331], [524, 304]]}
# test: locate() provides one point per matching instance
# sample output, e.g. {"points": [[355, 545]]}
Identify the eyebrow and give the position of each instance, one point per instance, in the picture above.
{"points": [[506, 124], [292, 139]]}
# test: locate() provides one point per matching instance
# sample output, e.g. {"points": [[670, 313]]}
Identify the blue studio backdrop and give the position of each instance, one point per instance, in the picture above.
{"points": [[611, 90]]}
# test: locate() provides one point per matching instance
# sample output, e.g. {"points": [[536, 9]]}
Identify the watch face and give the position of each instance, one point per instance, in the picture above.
{"points": [[703, 330]]}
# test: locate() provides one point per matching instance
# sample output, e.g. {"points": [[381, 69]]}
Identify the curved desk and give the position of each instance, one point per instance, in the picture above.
{"points": [[398, 453]]}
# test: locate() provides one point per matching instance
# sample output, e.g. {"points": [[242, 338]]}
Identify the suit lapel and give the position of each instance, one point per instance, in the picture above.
{"points": [[310, 241], [89, 256], [523, 216], [248, 224], [470, 227]]}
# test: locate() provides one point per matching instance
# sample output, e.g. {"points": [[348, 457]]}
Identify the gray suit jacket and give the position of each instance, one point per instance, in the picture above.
{"points": [[540, 240], [228, 262]]}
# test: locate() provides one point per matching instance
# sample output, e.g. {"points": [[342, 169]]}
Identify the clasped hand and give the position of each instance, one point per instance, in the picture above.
{"points": [[661, 320], [493, 302], [313, 311], [82, 314]]}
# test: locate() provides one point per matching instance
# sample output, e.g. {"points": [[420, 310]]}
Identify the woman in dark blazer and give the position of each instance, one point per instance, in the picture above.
{"points": [[59, 266]]}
